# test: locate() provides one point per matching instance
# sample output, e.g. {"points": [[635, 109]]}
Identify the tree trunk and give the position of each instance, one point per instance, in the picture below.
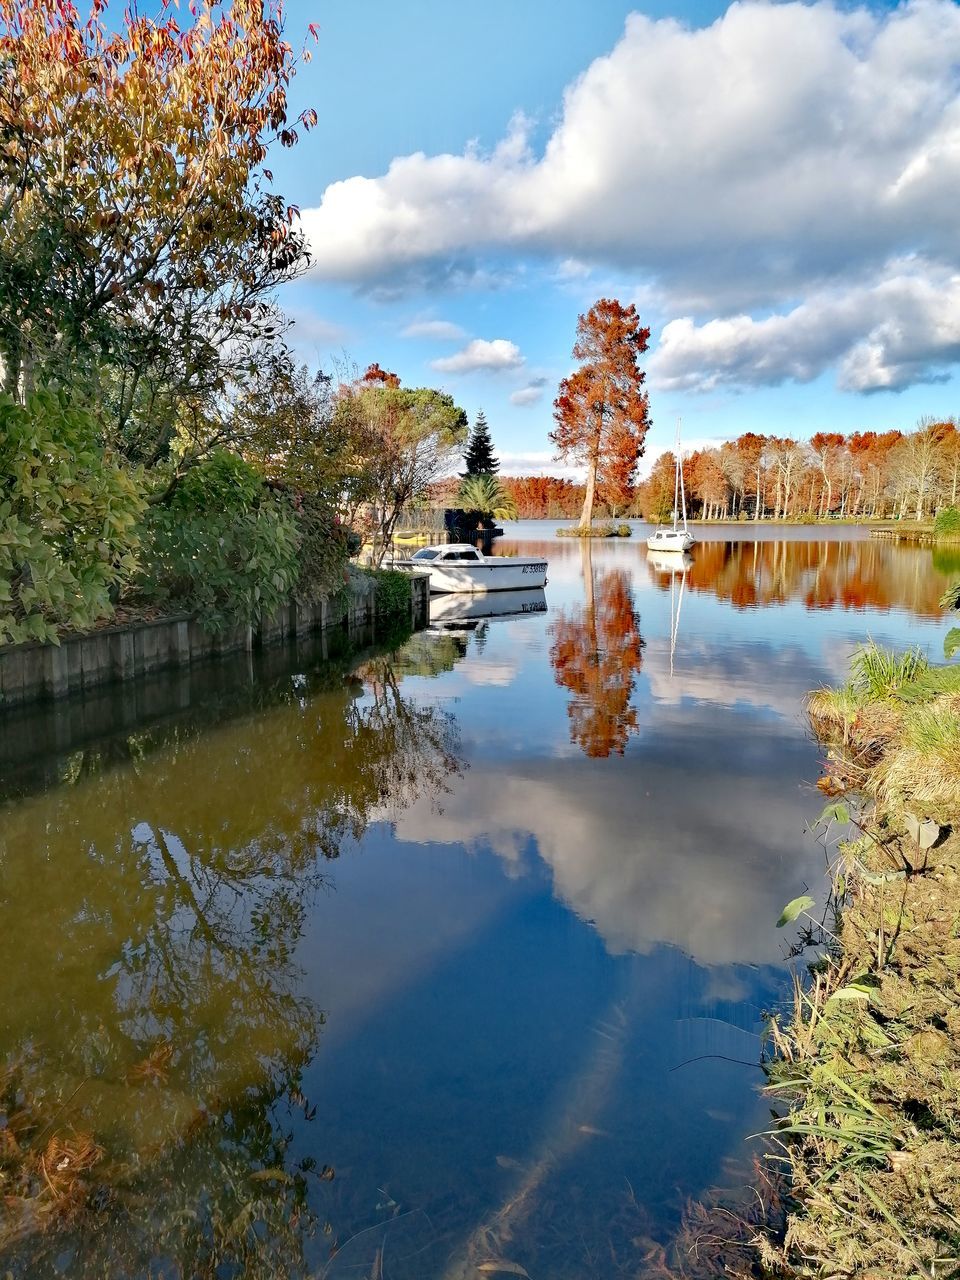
{"points": [[586, 515]]}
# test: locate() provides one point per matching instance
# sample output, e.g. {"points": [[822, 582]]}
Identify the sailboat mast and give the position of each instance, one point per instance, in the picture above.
{"points": [[677, 485], [683, 495]]}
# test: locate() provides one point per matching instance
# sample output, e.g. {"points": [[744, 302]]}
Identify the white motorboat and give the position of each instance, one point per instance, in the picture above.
{"points": [[679, 538], [459, 567]]}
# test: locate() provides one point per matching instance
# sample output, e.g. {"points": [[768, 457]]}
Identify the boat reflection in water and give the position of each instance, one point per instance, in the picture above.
{"points": [[462, 612], [669, 561]]}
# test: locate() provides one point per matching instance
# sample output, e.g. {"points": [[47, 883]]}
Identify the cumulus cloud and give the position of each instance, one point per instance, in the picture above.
{"points": [[753, 165], [479, 355], [530, 394], [781, 142], [887, 336], [539, 462], [439, 330]]}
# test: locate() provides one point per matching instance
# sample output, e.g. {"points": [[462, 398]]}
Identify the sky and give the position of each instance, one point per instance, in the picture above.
{"points": [[774, 185]]}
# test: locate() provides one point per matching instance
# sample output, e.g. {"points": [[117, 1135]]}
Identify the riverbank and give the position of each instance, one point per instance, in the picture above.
{"points": [[143, 646], [869, 1062]]}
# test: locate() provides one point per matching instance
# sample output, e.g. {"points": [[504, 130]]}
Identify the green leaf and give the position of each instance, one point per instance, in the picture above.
{"points": [[851, 992], [837, 812], [951, 642], [794, 909]]}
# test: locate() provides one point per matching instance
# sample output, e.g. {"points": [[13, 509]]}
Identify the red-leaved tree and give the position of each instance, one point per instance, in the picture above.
{"points": [[601, 410]]}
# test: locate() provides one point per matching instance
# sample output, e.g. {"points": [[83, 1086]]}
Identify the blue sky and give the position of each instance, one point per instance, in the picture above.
{"points": [[774, 185]]}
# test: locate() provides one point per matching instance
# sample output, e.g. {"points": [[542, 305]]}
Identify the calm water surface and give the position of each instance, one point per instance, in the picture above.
{"points": [[390, 967]]}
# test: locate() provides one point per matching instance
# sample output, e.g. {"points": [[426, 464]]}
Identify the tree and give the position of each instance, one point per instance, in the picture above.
{"points": [[601, 410], [655, 497], [479, 457], [404, 440], [140, 243], [918, 464], [485, 494]]}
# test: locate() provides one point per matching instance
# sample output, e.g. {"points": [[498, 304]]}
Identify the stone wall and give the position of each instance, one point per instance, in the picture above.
{"points": [[31, 671]]}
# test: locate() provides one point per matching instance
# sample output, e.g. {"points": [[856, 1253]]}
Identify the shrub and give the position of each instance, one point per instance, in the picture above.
{"points": [[325, 548], [947, 524], [225, 547], [68, 520], [393, 591]]}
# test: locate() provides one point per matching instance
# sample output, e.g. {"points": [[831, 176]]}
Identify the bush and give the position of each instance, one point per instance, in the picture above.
{"points": [[394, 591], [225, 547], [596, 531], [947, 524], [325, 548], [68, 520]]}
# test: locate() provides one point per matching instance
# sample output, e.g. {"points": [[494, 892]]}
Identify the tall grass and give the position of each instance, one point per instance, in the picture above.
{"points": [[880, 673], [947, 524]]}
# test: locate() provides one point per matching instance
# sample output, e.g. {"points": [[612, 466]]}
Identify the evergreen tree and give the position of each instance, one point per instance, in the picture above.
{"points": [[479, 456]]}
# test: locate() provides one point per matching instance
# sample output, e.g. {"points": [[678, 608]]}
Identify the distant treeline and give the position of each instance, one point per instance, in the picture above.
{"points": [[867, 475]]}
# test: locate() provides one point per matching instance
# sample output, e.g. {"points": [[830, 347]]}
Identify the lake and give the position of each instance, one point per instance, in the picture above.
{"points": [[394, 963]]}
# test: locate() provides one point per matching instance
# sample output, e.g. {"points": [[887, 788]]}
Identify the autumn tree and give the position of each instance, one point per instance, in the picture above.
{"points": [[140, 239], [479, 457], [404, 440], [655, 496], [601, 411], [918, 463]]}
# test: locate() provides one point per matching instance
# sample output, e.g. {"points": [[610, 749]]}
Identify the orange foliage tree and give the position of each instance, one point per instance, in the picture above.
{"points": [[601, 411], [140, 239], [543, 497]]}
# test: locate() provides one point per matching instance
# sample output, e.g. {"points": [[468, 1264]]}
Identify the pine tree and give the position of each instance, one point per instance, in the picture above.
{"points": [[479, 456]]}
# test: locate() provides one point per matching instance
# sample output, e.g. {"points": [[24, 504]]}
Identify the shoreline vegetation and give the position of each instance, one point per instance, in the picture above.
{"points": [[595, 531], [868, 1063]]}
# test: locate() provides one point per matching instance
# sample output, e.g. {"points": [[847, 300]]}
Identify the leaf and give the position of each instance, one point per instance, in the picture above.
{"points": [[794, 909], [851, 992], [925, 833], [837, 812], [503, 1267], [951, 642]]}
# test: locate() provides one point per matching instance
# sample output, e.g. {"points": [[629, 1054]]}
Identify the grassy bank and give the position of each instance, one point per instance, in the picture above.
{"points": [[595, 531], [869, 1063]]}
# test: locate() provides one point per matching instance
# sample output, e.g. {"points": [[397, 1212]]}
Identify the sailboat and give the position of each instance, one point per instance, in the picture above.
{"points": [[676, 539]]}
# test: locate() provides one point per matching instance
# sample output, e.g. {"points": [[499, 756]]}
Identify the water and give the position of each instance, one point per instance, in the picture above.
{"points": [[394, 966]]}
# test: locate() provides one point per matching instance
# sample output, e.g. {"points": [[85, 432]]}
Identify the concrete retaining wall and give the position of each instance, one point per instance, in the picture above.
{"points": [[31, 671]]}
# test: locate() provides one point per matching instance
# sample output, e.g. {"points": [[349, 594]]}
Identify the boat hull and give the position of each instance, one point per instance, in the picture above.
{"points": [[672, 540], [481, 577]]}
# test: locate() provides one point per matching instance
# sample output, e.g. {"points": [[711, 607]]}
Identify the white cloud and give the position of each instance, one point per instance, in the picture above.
{"points": [[786, 150], [783, 140], [538, 463], [481, 355], [311, 330], [887, 336], [530, 394], [440, 330]]}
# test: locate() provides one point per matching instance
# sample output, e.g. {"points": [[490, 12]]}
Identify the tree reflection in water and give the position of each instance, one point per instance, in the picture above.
{"points": [[869, 574], [596, 653], [152, 915]]}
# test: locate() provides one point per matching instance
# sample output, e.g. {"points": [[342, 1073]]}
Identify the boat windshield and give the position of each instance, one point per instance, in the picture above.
{"points": [[427, 553]]}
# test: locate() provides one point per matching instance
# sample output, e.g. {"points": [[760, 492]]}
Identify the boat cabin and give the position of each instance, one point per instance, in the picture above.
{"points": [[458, 552]]}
